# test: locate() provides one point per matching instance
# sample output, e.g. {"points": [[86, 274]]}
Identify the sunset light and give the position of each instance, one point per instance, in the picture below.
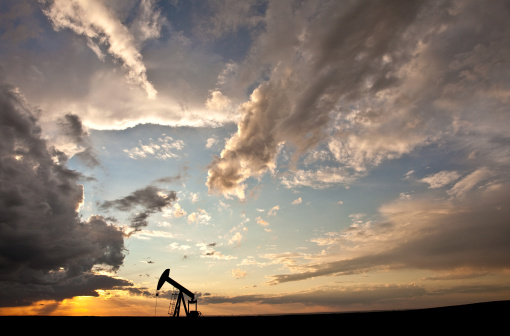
{"points": [[276, 156]]}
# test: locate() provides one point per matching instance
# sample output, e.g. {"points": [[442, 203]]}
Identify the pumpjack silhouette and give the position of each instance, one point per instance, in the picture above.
{"points": [[178, 298]]}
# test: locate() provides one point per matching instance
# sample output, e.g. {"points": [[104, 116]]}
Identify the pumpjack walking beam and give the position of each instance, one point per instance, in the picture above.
{"points": [[165, 277]]}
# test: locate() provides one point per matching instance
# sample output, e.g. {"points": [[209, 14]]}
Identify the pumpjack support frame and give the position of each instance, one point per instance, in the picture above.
{"points": [[165, 277]]}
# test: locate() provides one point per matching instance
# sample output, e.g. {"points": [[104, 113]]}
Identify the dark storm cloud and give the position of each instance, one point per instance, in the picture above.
{"points": [[151, 199], [15, 294], [46, 251]]}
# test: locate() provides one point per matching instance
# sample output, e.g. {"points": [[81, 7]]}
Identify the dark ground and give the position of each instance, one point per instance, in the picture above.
{"points": [[489, 318]]}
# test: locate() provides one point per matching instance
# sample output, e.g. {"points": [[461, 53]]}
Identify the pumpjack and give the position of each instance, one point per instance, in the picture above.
{"points": [[165, 277]]}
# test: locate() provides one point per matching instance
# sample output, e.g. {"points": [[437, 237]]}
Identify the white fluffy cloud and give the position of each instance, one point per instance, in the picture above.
{"points": [[199, 217]]}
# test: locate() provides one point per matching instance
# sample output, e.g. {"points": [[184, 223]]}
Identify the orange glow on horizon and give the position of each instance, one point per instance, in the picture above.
{"points": [[104, 305], [142, 306]]}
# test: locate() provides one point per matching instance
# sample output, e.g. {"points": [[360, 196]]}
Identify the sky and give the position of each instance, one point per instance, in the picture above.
{"points": [[277, 156]]}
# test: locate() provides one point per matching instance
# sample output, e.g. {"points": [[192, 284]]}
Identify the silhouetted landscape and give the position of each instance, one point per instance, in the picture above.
{"points": [[277, 156], [484, 316]]}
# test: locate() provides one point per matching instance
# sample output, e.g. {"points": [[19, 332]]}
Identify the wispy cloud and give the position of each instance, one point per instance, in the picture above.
{"points": [[440, 179], [273, 210], [320, 178], [150, 199], [163, 148], [469, 182], [100, 26], [422, 233]]}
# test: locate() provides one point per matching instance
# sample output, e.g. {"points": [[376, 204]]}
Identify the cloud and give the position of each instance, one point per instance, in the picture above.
{"points": [[317, 69], [217, 101], [148, 22], [364, 83], [194, 197], [100, 26], [147, 234], [177, 211], [173, 179], [151, 200], [297, 201], [262, 221], [440, 179], [17, 23], [339, 297], [238, 273], [176, 246], [211, 142], [408, 174], [162, 149], [208, 251], [470, 235], [469, 182], [320, 178], [47, 252], [199, 217], [72, 128], [273, 210], [229, 16], [236, 239]]}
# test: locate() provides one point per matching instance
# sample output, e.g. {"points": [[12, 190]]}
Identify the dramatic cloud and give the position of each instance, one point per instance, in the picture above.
{"points": [[46, 251], [150, 199], [370, 138], [98, 24], [322, 68], [371, 81]]}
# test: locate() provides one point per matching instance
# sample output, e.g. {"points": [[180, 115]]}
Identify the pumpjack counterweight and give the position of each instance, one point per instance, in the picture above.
{"points": [[165, 277]]}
